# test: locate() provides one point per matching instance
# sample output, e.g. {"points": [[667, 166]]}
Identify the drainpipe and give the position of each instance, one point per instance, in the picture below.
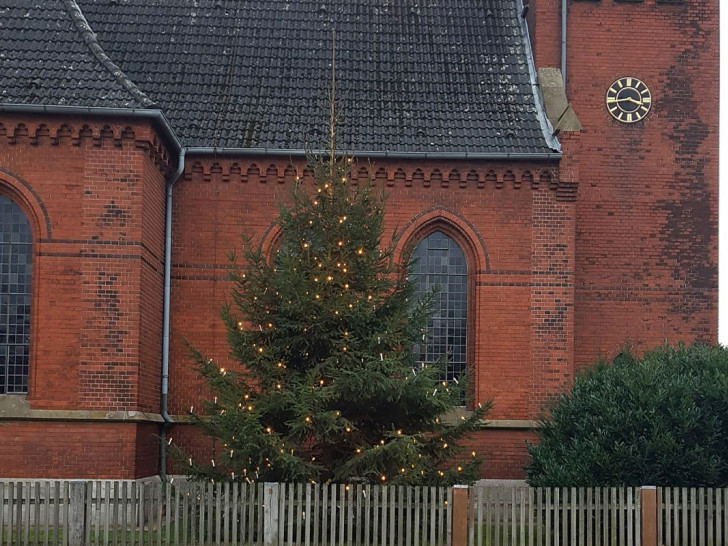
{"points": [[165, 327], [563, 41]]}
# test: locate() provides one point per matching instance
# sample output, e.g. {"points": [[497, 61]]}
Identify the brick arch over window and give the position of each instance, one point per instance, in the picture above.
{"points": [[271, 241], [451, 224]]}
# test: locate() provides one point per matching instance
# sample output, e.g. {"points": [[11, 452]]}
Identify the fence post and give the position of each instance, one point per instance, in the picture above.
{"points": [[648, 500], [460, 515], [77, 513], [271, 495]]}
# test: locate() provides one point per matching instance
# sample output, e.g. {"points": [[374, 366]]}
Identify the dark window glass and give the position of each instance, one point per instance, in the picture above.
{"points": [[16, 255], [441, 265]]}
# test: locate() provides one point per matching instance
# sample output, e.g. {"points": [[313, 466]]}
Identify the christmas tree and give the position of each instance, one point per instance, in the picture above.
{"points": [[323, 333]]}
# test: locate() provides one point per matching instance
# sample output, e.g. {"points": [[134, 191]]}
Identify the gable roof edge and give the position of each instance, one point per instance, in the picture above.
{"points": [[546, 126], [89, 37]]}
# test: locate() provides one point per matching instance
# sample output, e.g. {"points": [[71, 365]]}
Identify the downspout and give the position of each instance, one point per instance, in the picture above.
{"points": [[563, 41], [165, 327]]}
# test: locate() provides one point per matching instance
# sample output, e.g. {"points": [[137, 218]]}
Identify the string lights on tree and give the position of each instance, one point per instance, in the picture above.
{"points": [[321, 384], [321, 387]]}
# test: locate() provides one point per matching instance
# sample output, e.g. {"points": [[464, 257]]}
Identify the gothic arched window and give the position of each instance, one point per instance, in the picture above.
{"points": [[16, 255], [441, 264]]}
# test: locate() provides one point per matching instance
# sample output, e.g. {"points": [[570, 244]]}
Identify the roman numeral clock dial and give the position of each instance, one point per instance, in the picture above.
{"points": [[628, 100]]}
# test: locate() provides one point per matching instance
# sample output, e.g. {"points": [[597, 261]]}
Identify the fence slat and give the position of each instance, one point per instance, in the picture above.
{"points": [[393, 516], [368, 506], [342, 513], [17, 503], [376, 499], [725, 513], [3, 501], [359, 503], [487, 506], [27, 490], [47, 518], [719, 515], [710, 506]]}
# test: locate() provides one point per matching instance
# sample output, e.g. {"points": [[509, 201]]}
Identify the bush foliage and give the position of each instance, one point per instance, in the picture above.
{"points": [[657, 420]]}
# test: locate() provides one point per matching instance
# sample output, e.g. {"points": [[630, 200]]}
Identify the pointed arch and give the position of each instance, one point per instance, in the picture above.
{"points": [[452, 224]]}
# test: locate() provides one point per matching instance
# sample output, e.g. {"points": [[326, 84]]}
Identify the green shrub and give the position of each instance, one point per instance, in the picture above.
{"points": [[657, 420]]}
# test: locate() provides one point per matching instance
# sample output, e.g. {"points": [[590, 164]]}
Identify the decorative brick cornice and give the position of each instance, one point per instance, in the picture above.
{"points": [[484, 176], [98, 134]]}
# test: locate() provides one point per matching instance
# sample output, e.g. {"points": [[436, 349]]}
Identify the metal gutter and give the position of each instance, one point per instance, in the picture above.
{"points": [[221, 151], [546, 127]]}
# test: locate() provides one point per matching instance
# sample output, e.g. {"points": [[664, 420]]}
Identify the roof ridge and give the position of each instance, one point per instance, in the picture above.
{"points": [[89, 38]]}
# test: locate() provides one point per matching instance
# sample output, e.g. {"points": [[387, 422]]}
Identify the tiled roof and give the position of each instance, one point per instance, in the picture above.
{"points": [[49, 56], [412, 76]]}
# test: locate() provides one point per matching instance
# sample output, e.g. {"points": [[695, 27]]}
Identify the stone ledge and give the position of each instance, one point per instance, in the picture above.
{"points": [[525, 424], [19, 410]]}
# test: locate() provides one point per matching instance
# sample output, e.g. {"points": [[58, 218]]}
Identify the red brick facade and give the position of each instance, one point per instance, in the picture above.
{"points": [[567, 259], [94, 193]]}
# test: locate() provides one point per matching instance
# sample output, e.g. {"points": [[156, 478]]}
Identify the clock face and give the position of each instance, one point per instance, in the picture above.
{"points": [[628, 100]]}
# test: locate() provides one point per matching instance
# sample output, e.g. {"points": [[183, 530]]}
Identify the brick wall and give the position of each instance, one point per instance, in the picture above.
{"points": [[616, 243], [647, 210], [514, 221], [94, 191], [78, 450]]}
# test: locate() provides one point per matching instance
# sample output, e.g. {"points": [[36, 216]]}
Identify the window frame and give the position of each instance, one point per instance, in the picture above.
{"points": [[464, 241], [31, 295]]}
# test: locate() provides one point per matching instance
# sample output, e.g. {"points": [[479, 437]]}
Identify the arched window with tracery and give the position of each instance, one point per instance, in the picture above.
{"points": [[441, 264], [16, 256]]}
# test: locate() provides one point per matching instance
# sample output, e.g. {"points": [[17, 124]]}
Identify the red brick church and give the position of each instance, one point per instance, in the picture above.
{"points": [[556, 163]]}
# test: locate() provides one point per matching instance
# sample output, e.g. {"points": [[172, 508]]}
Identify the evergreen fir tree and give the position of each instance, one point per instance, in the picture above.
{"points": [[323, 336]]}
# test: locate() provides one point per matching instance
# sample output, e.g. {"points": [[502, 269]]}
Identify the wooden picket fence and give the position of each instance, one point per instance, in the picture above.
{"points": [[72, 513], [569, 516], [693, 516]]}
